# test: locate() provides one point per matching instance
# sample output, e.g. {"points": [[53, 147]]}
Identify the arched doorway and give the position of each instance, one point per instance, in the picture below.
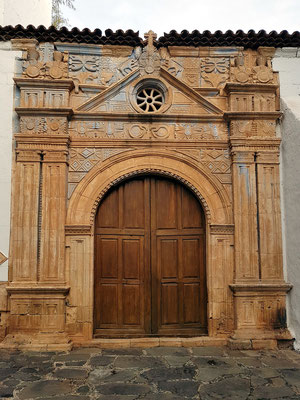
{"points": [[150, 276]]}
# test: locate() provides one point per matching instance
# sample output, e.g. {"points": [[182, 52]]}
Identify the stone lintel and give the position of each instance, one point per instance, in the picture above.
{"points": [[45, 111], [250, 115], [231, 87]]}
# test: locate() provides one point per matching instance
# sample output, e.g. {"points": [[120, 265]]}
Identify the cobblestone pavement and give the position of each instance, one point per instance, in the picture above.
{"points": [[162, 373]]}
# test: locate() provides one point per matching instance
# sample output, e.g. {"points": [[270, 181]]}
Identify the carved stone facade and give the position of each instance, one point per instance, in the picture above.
{"points": [[91, 116]]}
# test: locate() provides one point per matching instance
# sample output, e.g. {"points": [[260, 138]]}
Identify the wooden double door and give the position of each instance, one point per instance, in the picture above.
{"points": [[150, 261]]}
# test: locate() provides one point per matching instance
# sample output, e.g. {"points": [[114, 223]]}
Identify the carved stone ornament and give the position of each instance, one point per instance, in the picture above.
{"points": [[33, 68], [58, 68]]}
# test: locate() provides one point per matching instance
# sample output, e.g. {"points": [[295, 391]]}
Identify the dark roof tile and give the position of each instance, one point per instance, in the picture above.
{"points": [[250, 39]]}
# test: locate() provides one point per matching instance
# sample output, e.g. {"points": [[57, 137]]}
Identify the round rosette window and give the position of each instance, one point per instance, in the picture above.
{"points": [[150, 99], [150, 96]]}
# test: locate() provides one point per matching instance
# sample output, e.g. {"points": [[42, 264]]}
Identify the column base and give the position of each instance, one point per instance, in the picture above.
{"points": [[37, 342]]}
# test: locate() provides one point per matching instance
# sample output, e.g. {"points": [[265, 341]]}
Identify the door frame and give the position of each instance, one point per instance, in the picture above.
{"points": [[79, 230]]}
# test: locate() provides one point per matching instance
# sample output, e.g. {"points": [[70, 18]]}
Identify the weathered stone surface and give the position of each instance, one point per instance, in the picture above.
{"points": [[292, 376], [164, 374], [71, 373], [182, 388], [231, 388], [269, 392], [168, 351], [45, 388], [124, 352], [137, 362], [123, 389], [6, 391], [177, 361], [208, 351], [100, 360]]}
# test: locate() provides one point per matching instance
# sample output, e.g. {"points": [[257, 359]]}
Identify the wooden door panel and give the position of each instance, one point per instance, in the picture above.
{"points": [[169, 305], [108, 214], [168, 258], [191, 295], [191, 258], [107, 257], [140, 217], [132, 256], [192, 215], [133, 204], [131, 308], [108, 303], [164, 203]]}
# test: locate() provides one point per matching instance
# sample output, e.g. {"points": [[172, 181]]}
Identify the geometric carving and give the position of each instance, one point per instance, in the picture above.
{"points": [[214, 70], [44, 125], [3, 258]]}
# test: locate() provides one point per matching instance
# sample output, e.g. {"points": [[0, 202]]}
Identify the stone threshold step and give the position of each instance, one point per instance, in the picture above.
{"points": [[200, 341]]}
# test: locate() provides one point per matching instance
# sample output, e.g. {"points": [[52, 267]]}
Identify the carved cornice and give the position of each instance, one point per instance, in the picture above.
{"points": [[193, 144], [222, 229], [250, 87], [78, 230], [257, 288], [44, 111], [249, 115], [132, 117], [67, 84]]}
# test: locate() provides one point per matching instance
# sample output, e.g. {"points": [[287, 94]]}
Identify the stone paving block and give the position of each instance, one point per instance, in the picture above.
{"points": [[123, 389], [203, 362], [45, 388], [116, 397], [276, 362], [232, 388], [168, 351], [125, 352], [67, 397], [167, 374], [209, 374], [162, 396], [181, 388], [177, 361], [100, 360], [249, 362], [137, 362], [208, 351], [73, 357], [71, 373], [270, 392], [292, 376], [6, 391], [97, 374]]}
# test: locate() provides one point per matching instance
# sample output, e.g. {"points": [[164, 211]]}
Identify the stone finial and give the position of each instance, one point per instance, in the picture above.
{"points": [[150, 37]]}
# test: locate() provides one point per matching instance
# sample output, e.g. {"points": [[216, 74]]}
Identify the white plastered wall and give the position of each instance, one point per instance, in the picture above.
{"points": [[7, 70], [25, 12], [12, 12], [287, 63]]}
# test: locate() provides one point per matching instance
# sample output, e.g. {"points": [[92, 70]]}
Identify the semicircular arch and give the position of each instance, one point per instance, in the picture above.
{"points": [[89, 192]]}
